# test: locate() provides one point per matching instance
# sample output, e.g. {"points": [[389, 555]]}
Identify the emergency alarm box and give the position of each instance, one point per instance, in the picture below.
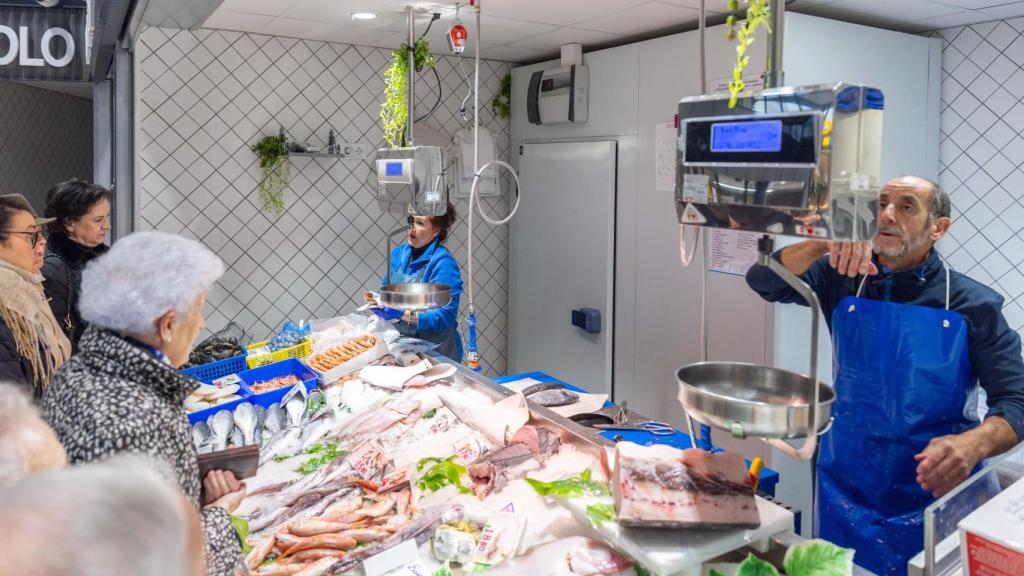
{"points": [[558, 95]]}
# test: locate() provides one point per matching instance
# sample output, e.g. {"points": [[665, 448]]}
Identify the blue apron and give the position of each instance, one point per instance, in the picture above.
{"points": [[902, 376], [448, 342]]}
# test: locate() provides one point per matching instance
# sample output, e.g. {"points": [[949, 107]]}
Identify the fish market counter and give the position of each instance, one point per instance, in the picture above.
{"points": [[767, 479], [448, 472]]}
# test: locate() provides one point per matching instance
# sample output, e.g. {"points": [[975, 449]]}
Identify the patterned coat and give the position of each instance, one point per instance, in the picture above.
{"points": [[115, 397]]}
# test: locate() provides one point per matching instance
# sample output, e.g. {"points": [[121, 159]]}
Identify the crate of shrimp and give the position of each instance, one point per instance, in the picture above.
{"points": [[333, 361], [269, 384]]}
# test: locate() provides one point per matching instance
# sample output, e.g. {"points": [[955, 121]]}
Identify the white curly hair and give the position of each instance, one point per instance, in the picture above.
{"points": [[144, 276]]}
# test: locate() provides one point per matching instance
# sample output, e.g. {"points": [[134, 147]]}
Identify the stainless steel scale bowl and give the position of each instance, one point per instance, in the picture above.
{"points": [[416, 296], [752, 400]]}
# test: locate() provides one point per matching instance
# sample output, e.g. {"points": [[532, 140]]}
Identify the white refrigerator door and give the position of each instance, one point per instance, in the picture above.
{"points": [[562, 256]]}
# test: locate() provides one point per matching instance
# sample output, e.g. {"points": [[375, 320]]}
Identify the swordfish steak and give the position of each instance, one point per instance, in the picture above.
{"points": [[661, 487]]}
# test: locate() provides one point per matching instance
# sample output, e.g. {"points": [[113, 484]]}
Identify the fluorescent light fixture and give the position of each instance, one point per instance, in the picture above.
{"points": [[363, 16]]}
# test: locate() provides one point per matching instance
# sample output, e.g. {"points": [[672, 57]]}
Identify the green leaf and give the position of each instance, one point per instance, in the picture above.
{"points": [[818, 558], [442, 472], [714, 572], [430, 414], [754, 566], [444, 570], [641, 571], [578, 486], [598, 514], [241, 526]]}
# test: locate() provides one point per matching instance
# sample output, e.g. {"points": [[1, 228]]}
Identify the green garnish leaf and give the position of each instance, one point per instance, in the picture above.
{"points": [[641, 571], [442, 472], [578, 486], [324, 453], [598, 514], [444, 570], [430, 414], [818, 558], [754, 566], [241, 526]]}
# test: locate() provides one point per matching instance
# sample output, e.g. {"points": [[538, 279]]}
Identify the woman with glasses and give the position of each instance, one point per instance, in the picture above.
{"points": [[75, 238], [32, 344]]}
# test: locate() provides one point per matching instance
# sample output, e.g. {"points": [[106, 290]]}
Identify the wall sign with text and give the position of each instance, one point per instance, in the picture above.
{"points": [[43, 40]]}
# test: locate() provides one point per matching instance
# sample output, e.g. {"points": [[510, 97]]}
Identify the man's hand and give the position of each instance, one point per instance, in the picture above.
{"points": [[851, 258], [219, 483], [946, 462]]}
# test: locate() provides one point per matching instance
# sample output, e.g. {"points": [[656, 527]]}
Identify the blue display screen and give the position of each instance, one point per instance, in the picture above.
{"points": [[392, 168], [757, 136]]}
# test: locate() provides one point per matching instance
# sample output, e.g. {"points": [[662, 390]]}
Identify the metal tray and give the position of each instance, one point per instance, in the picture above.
{"points": [[416, 296], [751, 400]]}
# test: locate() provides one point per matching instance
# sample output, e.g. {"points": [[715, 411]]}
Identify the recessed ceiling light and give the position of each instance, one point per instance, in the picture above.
{"points": [[363, 15]]}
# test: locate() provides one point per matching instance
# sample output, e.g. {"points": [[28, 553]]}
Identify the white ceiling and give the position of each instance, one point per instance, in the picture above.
{"points": [[532, 30]]}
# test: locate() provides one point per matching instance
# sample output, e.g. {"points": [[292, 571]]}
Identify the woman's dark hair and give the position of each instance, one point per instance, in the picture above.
{"points": [[444, 223], [69, 201]]}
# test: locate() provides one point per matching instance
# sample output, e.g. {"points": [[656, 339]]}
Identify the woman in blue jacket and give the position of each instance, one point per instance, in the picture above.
{"points": [[425, 259]]}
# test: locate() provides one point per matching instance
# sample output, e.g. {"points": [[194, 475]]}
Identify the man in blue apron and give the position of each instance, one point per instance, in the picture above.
{"points": [[425, 259], [912, 342]]}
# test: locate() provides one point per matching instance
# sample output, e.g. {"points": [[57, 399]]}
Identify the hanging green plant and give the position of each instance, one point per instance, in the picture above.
{"points": [[758, 13], [502, 102], [274, 165], [394, 111]]}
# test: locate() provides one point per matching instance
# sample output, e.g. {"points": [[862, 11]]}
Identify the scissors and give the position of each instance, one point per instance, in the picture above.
{"points": [[652, 426]]}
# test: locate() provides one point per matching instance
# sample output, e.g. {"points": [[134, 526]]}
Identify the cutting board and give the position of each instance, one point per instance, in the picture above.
{"points": [[680, 552]]}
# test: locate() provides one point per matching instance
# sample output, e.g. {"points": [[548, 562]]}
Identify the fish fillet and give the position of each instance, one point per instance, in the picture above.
{"points": [[659, 486]]}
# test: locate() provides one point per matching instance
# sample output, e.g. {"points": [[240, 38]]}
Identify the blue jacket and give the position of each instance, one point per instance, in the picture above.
{"points": [[995, 348], [435, 265]]}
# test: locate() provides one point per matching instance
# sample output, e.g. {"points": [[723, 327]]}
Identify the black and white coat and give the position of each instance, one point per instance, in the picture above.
{"points": [[114, 397]]}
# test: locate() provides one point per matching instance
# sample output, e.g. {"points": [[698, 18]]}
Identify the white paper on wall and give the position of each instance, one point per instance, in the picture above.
{"points": [[665, 157], [732, 252]]}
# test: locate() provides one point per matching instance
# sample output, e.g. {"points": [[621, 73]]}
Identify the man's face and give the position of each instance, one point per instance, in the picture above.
{"points": [[905, 229]]}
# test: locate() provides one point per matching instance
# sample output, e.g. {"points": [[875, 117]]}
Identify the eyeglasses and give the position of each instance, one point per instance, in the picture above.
{"points": [[36, 236]]}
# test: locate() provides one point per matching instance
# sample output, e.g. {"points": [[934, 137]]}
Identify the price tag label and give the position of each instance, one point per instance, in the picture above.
{"points": [[467, 451], [299, 388], [365, 459], [486, 544], [440, 424], [227, 381], [394, 480], [402, 556]]}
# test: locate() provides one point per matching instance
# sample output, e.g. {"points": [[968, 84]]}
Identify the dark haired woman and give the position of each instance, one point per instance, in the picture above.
{"points": [[425, 259], [32, 345], [76, 236]]}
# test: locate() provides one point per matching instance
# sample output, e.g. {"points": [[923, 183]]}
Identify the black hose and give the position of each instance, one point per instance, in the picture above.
{"points": [[438, 102]]}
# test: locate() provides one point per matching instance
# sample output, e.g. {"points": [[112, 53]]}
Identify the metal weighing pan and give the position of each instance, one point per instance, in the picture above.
{"points": [[416, 296], [751, 400]]}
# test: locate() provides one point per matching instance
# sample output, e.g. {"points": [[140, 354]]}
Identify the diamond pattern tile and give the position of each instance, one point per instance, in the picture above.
{"points": [[205, 96], [45, 138]]}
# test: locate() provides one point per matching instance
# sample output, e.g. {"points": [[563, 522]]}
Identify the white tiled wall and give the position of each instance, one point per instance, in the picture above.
{"points": [[982, 156], [45, 138], [204, 97]]}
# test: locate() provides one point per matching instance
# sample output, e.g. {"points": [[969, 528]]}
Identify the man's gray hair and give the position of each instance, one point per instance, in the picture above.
{"points": [[939, 206], [144, 276], [112, 517], [15, 409]]}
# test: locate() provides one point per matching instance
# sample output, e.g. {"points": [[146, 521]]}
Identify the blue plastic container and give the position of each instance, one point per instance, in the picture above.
{"points": [[287, 367], [207, 373], [243, 391]]}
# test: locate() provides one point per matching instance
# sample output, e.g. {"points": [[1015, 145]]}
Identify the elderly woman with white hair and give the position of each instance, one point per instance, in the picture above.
{"points": [[122, 393]]}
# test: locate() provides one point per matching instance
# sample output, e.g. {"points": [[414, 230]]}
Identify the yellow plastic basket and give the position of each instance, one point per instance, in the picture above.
{"points": [[255, 360]]}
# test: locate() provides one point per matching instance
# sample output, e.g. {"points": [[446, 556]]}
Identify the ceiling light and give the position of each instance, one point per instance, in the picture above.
{"points": [[363, 15]]}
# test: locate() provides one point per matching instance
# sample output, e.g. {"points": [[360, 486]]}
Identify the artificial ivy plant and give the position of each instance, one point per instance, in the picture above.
{"points": [[394, 111], [274, 165], [502, 102], [758, 14]]}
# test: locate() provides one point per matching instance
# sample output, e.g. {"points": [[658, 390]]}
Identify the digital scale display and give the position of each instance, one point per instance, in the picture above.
{"points": [[393, 169], [756, 136]]}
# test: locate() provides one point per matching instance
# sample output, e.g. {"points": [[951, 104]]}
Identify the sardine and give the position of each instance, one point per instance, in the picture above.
{"points": [[221, 424], [201, 436], [276, 419], [237, 440], [553, 397], [315, 431], [542, 386], [287, 442], [295, 408], [245, 421]]}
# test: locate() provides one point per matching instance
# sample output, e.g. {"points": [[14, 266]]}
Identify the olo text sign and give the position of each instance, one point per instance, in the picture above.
{"points": [[40, 42]]}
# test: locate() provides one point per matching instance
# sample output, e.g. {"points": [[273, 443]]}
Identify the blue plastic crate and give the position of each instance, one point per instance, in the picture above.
{"points": [[207, 373], [282, 368], [243, 391]]}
